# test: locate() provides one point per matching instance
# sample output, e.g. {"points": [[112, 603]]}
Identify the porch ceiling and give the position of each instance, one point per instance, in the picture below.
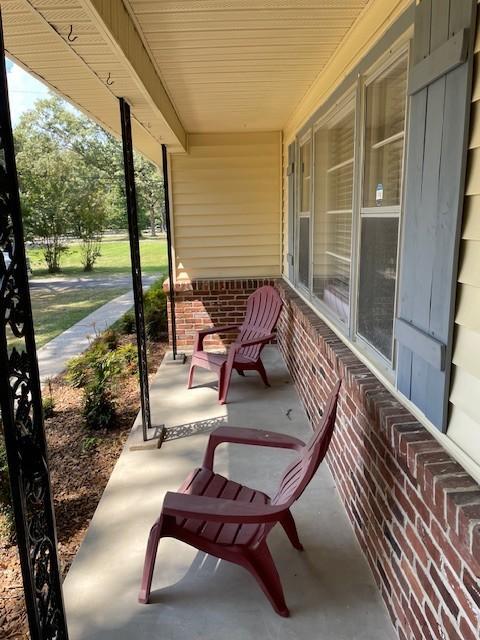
{"points": [[91, 70], [234, 65]]}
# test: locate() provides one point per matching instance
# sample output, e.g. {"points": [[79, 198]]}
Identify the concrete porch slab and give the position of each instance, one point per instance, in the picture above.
{"points": [[328, 588]]}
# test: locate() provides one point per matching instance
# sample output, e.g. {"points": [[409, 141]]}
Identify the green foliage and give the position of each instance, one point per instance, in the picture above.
{"points": [[155, 305], [48, 404], [7, 525], [127, 322], [96, 371], [89, 443], [155, 310], [98, 407], [109, 339], [72, 182]]}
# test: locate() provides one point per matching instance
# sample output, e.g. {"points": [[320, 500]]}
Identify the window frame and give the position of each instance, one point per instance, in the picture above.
{"points": [[354, 95], [336, 112], [301, 142], [394, 211]]}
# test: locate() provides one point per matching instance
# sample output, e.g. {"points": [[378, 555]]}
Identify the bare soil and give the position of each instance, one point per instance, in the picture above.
{"points": [[81, 462]]}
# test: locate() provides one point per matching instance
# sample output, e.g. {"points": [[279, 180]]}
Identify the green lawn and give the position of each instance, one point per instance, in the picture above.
{"points": [[115, 259], [55, 312]]}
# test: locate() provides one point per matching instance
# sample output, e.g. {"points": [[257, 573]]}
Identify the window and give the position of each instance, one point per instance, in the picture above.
{"points": [[379, 216], [349, 187], [305, 162], [332, 228]]}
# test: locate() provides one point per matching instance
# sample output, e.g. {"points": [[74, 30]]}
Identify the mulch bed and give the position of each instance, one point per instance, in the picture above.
{"points": [[81, 462]]}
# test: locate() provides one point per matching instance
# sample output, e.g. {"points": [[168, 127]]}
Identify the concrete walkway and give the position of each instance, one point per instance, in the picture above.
{"points": [[328, 588], [53, 357]]}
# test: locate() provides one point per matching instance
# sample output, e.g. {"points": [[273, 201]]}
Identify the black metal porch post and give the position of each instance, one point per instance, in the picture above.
{"points": [[171, 292], [21, 406], [136, 266]]}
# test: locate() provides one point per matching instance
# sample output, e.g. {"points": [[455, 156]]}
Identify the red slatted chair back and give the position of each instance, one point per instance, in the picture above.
{"points": [[263, 311], [303, 468]]}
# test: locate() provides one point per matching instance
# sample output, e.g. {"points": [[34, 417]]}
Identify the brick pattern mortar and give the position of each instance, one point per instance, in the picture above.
{"points": [[205, 303], [414, 510]]}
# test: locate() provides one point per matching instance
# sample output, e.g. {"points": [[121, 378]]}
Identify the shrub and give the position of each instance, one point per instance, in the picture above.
{"points": [[155, 310], [48, 404], [155, 307], [97, 370], [127, 322], [109, 338], [98, 406], [80, 368], [89, 443]]}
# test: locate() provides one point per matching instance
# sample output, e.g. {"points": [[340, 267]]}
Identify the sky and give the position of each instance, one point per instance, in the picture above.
{"points": [[23, 90]]}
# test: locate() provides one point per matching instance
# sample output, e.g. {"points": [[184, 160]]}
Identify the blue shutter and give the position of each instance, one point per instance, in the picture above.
{"points": [[440, 87], [291, 209]]}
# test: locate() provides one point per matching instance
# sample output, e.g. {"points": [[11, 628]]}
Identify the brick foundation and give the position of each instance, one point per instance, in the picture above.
{"points": [[415, 511], [206, 303]]}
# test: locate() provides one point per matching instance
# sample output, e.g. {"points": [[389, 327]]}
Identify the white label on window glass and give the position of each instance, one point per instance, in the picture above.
{"points": [[379, 193]]}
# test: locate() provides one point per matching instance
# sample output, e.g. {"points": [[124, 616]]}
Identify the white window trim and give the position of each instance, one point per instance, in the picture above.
{"points": [[357, 92]]}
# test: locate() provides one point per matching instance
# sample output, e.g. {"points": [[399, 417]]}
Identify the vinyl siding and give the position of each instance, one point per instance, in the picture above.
{"points": [[226, 198], [464, 424]]}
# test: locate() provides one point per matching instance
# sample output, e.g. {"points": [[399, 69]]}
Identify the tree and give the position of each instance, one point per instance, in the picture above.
{"points": [[72, 181], [89, 215], [150, 193], [45, 174]]}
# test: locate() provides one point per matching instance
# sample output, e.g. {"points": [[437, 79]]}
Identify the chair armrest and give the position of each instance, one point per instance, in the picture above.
{"points": [[183, 505], [251, 343], [203, 333], [256, 437]]}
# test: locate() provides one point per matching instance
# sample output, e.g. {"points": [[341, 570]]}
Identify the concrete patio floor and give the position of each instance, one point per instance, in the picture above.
{"points": [[328, 588]]}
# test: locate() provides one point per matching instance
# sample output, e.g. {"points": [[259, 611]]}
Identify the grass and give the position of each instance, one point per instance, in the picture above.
{"points": [[55, 312], [114, 260]]}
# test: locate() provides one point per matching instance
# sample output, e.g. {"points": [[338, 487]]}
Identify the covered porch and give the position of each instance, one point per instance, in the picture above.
{"points": [[329, 588], [332, 150]]}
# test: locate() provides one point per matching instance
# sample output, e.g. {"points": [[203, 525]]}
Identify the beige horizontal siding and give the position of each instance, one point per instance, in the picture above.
{"points": [[226, 198], [464, 423]]}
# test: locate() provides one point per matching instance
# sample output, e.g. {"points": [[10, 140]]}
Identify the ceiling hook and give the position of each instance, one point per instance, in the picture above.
{"points": [[109, 80], [71, 37]]}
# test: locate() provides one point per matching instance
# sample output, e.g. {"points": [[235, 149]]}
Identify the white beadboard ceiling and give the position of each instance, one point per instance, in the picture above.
{"points": [[222, 65], [233, 65]]}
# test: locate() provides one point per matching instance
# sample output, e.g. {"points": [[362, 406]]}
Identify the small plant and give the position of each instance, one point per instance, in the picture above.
{"points": [[98, 407], [48, 403], [155, 305], [89, 443], [155, 310], [127, 323], [109, 338], [48, 407]]}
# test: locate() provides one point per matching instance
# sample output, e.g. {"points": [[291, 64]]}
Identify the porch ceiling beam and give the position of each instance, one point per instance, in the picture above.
{"points": [[115, 23]]}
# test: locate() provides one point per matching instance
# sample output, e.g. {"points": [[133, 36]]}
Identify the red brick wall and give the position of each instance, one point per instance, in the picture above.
{"points": [[206, 303], [415, 511]]}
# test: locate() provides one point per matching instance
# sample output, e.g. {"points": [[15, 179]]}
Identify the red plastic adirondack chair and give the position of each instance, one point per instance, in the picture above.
{"points": [[263, 310], [231, 521]]}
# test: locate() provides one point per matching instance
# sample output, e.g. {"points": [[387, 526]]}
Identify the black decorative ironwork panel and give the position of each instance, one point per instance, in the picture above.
{"points": [[131, 197], [21, 405]]}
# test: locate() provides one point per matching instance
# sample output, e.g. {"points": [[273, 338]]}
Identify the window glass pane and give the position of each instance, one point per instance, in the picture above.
{"points": [[384, 136], [376, 297], [333, 176], [305, 164], [304, 251]]}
